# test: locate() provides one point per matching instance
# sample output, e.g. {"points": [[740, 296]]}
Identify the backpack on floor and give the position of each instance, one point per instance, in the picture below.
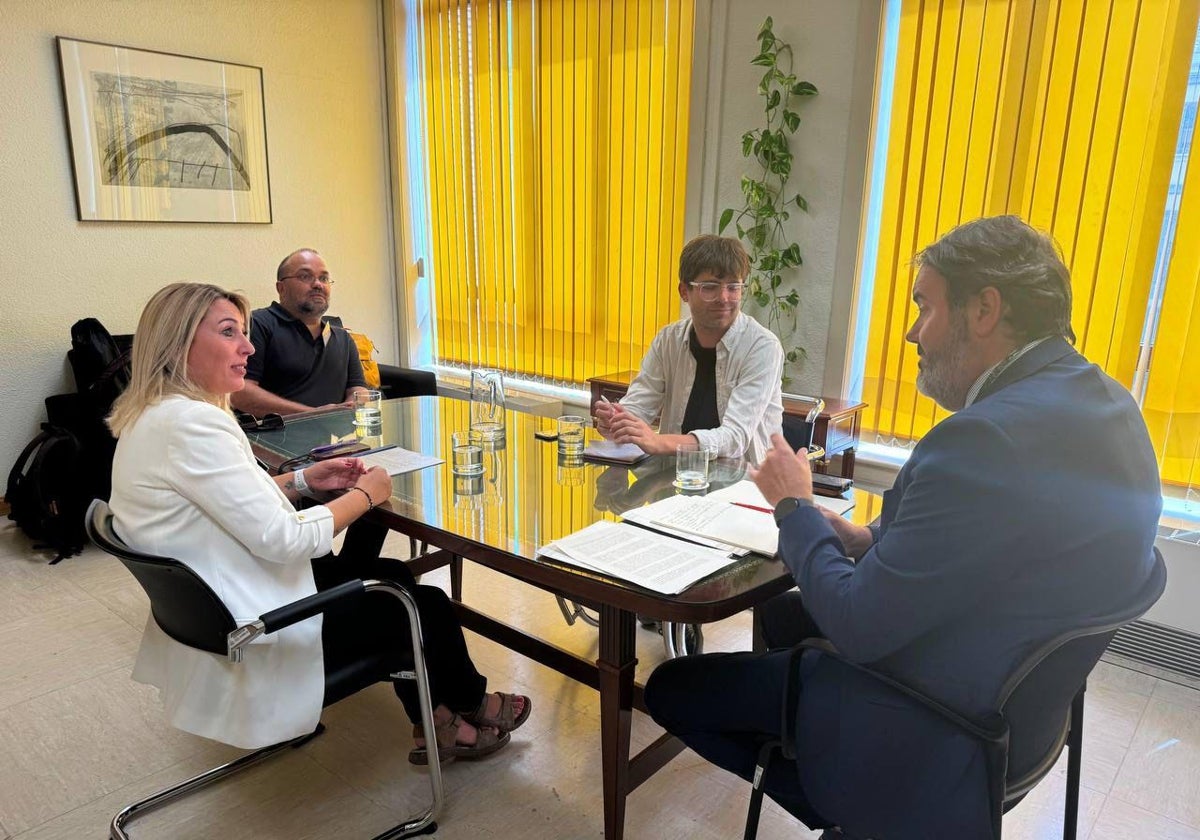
{"points": [[45, 494]]}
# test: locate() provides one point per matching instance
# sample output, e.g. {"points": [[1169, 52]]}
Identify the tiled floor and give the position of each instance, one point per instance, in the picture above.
{"points": [[79, 739]]}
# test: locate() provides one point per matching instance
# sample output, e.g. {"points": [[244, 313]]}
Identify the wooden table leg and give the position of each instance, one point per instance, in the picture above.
{"points": [[848, 463], [456, 564], [616, 665]]}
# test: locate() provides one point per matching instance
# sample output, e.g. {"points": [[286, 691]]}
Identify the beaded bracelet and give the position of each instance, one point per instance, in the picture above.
{"points": [[370, 503]]}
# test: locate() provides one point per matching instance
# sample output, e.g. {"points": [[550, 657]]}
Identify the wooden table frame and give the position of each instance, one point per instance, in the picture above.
{"points": [[612, 674]]}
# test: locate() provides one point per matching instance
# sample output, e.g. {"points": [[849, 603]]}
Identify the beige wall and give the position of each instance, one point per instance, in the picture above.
{"points": [[834, 44], [326, 141]]}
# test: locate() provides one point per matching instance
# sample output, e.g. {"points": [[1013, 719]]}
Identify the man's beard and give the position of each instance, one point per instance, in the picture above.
{"points": [[311, 307], [939, 375]]}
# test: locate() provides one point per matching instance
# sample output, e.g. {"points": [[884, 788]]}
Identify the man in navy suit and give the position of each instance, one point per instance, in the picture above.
{"points": [[1030, 511]]}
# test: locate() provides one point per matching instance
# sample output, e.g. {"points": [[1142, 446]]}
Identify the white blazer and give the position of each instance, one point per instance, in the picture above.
{"points": [[186, 486]]}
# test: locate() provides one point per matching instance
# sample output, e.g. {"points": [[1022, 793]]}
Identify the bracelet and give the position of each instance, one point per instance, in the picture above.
{"points": [[301, 485], [370, 503]]}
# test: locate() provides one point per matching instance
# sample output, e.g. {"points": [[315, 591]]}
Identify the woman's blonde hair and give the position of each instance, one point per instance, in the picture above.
{"points": [[160, 347]]}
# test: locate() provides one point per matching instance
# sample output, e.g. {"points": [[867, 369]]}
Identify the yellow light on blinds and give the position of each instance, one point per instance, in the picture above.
{"points": [[557, 141], [1064, 113]]}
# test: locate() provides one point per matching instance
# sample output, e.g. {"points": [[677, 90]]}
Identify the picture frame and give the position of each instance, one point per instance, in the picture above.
{"points": [[159, 137]]}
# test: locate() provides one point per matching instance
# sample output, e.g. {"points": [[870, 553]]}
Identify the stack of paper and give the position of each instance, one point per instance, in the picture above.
{"points": [[397, 461], [714, 519], [607, 452], [652, 561], [745, 492]]}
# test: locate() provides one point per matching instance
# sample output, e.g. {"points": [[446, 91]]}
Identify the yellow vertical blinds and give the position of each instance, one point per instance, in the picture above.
{"points": [[1061, 111], [556, 136], [1172, 402]]}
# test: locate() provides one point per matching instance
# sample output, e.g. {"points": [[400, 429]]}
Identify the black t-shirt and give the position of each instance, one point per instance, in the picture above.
{"points": [[290, 363], [701, 411]]}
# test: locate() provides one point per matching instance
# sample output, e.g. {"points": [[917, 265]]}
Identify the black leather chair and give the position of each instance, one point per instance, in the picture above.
{"points": [[396, 382], [190, 612], [1038, 712]]}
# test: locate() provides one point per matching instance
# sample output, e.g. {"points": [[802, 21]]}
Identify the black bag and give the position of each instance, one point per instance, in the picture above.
{"points": [[101, 366], [47, 499]]}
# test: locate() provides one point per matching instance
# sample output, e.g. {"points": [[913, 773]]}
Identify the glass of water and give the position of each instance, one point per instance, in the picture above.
{"points": [[570, 435], [467, 455], [691, 467], [366, 408]]}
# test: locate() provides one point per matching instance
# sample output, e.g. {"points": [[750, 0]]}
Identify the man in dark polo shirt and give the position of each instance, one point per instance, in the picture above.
{"points": [[299, 362]]}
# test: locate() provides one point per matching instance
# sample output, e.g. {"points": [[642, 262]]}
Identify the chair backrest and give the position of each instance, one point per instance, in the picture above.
{"points": [[799, 432], [183, 605], [1036, 700]]}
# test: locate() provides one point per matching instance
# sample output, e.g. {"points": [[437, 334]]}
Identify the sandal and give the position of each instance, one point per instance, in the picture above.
{"points": [[505, 721], [487, 741]]}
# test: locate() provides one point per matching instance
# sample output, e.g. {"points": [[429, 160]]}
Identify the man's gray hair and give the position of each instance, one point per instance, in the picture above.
{"points": [[1021, 263]]}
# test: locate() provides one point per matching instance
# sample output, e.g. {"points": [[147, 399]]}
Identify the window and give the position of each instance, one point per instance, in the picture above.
{"points": [[554, 141], [1069, 115]]}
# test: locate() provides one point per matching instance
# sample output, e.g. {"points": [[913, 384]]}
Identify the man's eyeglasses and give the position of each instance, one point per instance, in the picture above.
{"points": [[309, 279], [268, 423], [710, 290]]}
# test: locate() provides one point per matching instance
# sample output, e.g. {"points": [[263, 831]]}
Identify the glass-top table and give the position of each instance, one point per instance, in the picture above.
{"points": [[528, 496]]}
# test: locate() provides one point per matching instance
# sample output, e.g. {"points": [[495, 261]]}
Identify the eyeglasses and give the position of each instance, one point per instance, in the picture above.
{"points": [[269, 423], [710, 290], [309, 279]]}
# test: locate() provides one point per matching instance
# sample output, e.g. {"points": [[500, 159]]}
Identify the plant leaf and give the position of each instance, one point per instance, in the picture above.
{"points": [[763, 60], [802, 203], [773, 101], [791, 119], [804, 89], [726, 217]]}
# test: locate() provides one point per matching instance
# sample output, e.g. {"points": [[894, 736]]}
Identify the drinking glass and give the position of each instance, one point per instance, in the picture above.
{"points": [[366, 408], [466, 455], [691, 467], [570, 434]]}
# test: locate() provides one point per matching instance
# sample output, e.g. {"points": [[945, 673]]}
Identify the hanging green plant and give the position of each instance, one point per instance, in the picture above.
{"points": [[774, 259]]}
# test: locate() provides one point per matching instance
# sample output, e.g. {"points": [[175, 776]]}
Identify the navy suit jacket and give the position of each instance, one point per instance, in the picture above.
{"points": [[1031, 512]]}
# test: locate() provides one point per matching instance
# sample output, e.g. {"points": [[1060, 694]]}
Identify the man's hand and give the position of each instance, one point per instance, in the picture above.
{"points": [[625, 427], [783, 473], [856, 539], [334, 474], [605, 411]]}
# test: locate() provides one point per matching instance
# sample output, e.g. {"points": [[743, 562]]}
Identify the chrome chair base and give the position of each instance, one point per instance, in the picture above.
{"points": [[422, 825], [678, 639]]}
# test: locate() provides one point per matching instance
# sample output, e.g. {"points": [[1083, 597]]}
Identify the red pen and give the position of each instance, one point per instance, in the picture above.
{"points": [[754, 507]]}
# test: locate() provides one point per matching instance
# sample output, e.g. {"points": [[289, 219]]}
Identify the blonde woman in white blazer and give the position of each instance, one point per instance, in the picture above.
{"points": [[186, 486]]}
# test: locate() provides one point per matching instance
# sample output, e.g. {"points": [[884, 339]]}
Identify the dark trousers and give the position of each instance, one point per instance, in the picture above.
{"points": [[380, 624], [725, 706]]}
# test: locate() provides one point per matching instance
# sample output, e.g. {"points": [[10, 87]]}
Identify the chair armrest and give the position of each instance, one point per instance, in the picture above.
{"points": [[406, 382], [290, 614]]}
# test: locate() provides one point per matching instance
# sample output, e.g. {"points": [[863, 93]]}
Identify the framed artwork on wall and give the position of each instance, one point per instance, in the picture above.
{"points": [[156, 137]]}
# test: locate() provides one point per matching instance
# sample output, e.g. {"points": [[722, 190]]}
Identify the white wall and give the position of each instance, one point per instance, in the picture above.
{"points": [[834, 43], [322, 65]]}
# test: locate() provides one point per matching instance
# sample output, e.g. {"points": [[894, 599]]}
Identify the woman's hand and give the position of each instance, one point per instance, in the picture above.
{"points": [[377, 484], [335, 474]]}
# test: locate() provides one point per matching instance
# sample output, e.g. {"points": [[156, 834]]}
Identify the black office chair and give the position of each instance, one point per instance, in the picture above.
{"points": [[1039, 710], [190, 612], [396, 382], [799, 432]]}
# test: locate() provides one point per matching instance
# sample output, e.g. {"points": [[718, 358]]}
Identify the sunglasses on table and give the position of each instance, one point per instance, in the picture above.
{"points": [[268, 423]]}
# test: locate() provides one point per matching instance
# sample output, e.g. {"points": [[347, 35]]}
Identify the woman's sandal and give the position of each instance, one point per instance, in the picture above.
{"points": [[506, 721], [487, 741]]}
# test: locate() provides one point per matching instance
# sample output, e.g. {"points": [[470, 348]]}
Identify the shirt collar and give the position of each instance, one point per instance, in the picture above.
{"points": [[999, 368]]}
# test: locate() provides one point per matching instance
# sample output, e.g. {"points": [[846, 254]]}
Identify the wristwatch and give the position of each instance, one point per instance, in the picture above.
{"points": [[787, 505]]}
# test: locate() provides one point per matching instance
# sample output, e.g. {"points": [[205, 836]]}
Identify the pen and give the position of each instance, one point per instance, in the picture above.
{"points": [[754, 507]]}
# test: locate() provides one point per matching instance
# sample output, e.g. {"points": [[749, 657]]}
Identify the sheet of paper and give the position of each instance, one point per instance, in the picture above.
{"points": [[621, 453], [396, 460], [649, 516], [652, 561], [746, 493], [719, 520]]}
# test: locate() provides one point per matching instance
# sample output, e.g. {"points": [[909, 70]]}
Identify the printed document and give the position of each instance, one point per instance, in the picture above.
{"points": [[396, 460], [720, 520], [747, 493], [652, 561]]}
